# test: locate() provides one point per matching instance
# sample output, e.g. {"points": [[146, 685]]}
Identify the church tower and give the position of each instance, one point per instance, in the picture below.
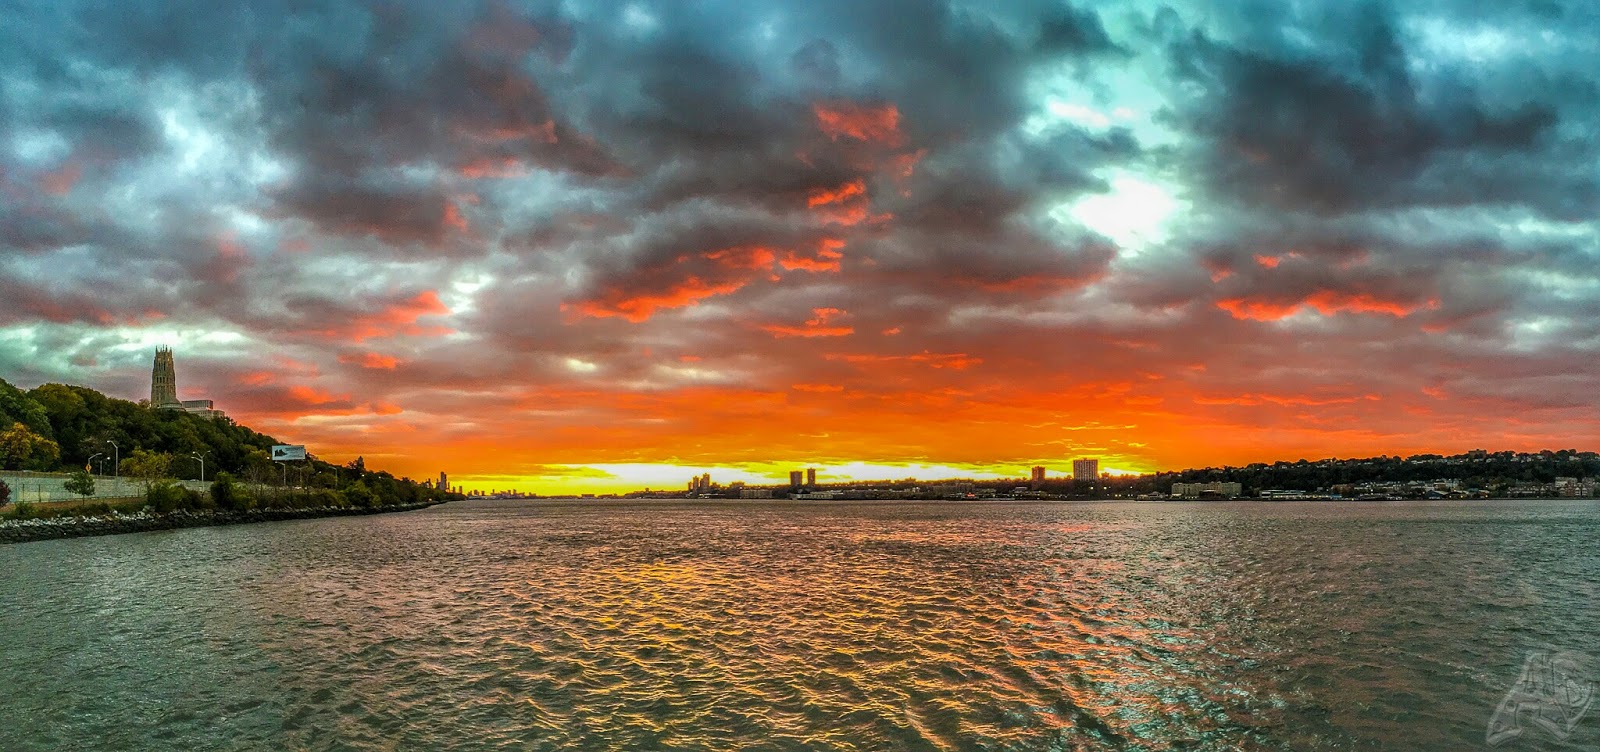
{"points": [[164, 381]]}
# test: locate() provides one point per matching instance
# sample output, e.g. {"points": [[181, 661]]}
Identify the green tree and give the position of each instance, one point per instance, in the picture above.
{"points": [[81, 483], [165, 496], [360, 495], [5, 493], [17, 407], [225, 493], [150, 467], [23, 449]]}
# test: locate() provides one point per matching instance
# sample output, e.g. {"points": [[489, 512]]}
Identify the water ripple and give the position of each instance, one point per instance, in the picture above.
{"points": [[792, 627]]}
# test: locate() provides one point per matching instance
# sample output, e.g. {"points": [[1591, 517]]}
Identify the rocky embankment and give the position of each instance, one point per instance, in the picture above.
{"points": [[24, 531]]}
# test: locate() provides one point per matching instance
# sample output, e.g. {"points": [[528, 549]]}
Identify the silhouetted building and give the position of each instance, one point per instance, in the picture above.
{"points": [[811, 476], [1038, 473], [164, 389], [164, 382], [796, 478], [1086, 470], [444, 481]]}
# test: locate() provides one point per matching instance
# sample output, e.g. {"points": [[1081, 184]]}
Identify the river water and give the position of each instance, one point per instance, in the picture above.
{"points": [[779, 626]]}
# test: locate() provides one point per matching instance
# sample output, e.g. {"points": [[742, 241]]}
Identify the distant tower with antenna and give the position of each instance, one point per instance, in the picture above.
{"points": [[164, 381], [164, 389]]}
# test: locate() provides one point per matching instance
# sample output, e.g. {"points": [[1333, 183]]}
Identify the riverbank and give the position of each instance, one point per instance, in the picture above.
{"points": [[27, 531]]}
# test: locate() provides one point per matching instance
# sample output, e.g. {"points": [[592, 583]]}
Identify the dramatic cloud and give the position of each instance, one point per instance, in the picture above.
{"points": [[576, 241]]}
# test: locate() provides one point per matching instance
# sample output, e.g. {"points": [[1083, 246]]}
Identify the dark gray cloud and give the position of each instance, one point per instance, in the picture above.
{"points": [[631, 197]]}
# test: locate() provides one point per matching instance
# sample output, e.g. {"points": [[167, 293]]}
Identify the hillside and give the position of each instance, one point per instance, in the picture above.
{"points": [[59, 428]]}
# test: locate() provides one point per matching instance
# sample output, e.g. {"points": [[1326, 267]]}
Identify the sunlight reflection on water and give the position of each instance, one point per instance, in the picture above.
{"points": [[776, 626]]}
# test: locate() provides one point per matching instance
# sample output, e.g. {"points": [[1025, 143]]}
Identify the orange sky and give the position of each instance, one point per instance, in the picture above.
{"points": [[568, 249]]}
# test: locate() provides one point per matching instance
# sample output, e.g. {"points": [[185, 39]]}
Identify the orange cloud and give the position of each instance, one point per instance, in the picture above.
{"points": [[1283, 400], [825, 196], [878, 124], [1270, 262], [818, 388], [453, 218], [638, 308], [952, 361], [743, 257], [394, 319], [1324, 302], [814, 327], [493, 167], [902, 166], [258, 378], [310, 396], [371, 360], [827, 258]]}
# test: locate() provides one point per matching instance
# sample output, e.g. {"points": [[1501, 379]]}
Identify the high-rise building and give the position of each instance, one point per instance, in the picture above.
{"points": [[811, 476], [1086, 470], [1038, 473], [795, 478], [444, 481], [164, 389], [164, 382]]}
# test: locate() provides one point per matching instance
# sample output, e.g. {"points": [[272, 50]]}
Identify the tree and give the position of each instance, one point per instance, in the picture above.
{"points": [[150, 467], [360, 495], [5, 493], [81, 483], [17, 407], [23, 449], [227, 494]]}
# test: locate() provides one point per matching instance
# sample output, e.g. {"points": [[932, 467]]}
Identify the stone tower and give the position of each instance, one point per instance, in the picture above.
{"points": [[164, 381]]}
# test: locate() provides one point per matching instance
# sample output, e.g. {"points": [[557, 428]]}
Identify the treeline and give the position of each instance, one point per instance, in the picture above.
{"points": [[62, 428], [1489, 471]]}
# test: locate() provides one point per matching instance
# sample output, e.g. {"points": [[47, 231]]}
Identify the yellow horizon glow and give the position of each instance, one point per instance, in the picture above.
{"points": [[619, 478]]}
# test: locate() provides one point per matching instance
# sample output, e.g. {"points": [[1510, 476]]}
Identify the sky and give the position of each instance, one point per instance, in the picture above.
{"points": [[596, 246]]}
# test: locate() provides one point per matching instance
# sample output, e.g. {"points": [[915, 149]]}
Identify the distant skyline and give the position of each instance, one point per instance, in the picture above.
{"points": [[588, 247]]}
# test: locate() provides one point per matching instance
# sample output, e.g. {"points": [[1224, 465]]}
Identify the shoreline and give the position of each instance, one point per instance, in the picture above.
{"points": [[57, 528]]}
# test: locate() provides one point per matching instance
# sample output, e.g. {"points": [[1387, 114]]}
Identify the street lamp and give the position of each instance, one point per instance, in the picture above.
{"points": [[202, 465], [91, 459], [116, 462]]}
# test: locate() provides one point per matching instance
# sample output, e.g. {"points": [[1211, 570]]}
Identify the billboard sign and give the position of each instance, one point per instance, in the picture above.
{"points": [[288, 453]]}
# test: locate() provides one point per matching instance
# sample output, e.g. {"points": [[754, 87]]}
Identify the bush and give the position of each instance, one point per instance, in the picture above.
{"points": [[323, 498], [168, 497], [5, 493], [226, 494], [360, 495], [80, 483]]}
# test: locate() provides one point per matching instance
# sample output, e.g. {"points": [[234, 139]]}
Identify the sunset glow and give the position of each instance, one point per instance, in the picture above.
{"points": [[585, 248]]}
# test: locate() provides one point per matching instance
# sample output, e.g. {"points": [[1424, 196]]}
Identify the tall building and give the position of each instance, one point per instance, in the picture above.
{"points": [[444, 481], [811, 476], [1038, 474], [164, 382], [164, 389], [795, 478], [1086, 470]]}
